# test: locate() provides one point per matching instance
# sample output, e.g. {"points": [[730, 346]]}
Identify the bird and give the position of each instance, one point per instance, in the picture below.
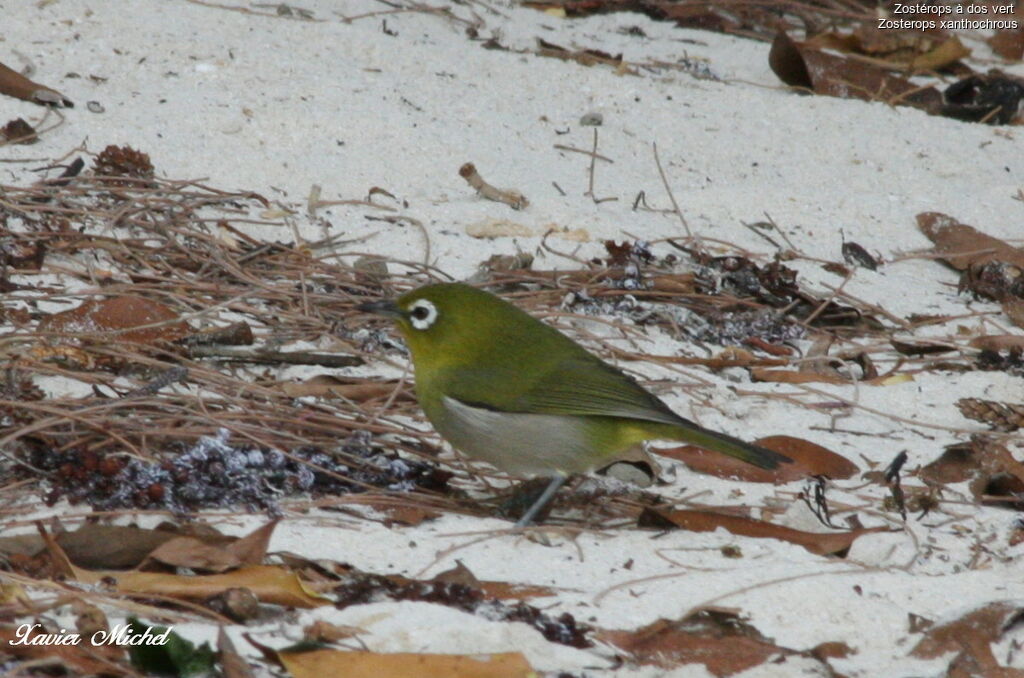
{"points": [[506, 388]]}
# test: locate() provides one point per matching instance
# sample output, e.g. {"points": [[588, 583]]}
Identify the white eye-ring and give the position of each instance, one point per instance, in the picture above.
{"points": [[422, 314]]}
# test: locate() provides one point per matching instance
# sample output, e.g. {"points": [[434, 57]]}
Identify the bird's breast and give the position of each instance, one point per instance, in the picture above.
{"points": [[519, 443]]}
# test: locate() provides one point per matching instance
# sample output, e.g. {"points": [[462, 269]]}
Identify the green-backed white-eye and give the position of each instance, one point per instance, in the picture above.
{"points": [[505, 388]]}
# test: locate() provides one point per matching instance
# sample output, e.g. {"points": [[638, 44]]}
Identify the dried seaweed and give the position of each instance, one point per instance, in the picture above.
{"points": [[360, 588], [214, 473]]}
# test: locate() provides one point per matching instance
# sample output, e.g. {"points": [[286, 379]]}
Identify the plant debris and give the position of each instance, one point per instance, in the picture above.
{"points": [[819, 543], [215, 473], [808, 459], [360, 588]]}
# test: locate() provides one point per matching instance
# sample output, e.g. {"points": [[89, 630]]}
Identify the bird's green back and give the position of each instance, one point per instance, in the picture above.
{"points": [[487, 352]]}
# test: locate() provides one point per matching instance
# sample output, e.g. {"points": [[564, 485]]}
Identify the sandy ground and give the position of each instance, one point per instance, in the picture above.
{"points": [[400, 101]]}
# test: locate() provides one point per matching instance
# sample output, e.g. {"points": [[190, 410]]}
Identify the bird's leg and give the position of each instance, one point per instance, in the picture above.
{"points": [[543, 500]]}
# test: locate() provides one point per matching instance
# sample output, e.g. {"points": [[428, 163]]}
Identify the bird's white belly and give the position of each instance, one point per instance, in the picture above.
{"points": [[521, 444]]}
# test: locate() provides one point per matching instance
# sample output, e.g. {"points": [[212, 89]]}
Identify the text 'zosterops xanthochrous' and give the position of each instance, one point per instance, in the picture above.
{"points": [[505, 388]]}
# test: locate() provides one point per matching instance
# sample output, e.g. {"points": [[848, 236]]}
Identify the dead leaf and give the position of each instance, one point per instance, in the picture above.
{"points": [[252, 548], [998, 343], [920, 349], [271, 584], [892, 51], [801, 66], [193, 554], [794, 377], [1013, 307], [17, 131], [994, 475], [809, 459], [460, 574], [231, 662], [401, 512], [111, 547], [819, 543], [89, 619], [17, 85], [349, 388], [719, 640], [797, 377], [971, 636], [963, 246], [678, 283], [584, 57], [831, 650], [1009, 43], [321, 631], [320, 663], [124, 319]]}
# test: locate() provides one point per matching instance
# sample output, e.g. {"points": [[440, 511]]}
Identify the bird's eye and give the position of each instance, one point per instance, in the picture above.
{"points": [[422, 313]]}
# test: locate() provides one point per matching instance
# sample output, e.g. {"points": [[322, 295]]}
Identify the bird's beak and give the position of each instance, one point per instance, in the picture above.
{"points": [[385, 307]]}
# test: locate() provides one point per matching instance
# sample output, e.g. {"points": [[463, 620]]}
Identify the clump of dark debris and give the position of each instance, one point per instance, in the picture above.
{"points": [[214, 473], [737, 327], [360, 588], [370, 340], [1010, 361]]}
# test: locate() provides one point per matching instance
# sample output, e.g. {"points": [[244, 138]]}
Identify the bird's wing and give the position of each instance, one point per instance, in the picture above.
{"points": [[583, 386]]}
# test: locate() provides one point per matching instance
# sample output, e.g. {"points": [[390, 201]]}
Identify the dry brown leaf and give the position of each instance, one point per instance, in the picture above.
{"points": [[963, 246], [252, 548], [460, 574], [995, 475], [831, 650], [584, 57], [194, 554], [971, 637], [809, 459], [271, 584], [794, 377], [1009, 43], [998, 342], [819, 543], [232, 664], [321, 631], [824, 73], [357, 390], [113, 547], [321, 663], [17, 85], [912, 349], [17, 131], [912, 55], [719, 640], [1013, 307], [89, 619], [401, 512], [125, 319], [678, 283]]}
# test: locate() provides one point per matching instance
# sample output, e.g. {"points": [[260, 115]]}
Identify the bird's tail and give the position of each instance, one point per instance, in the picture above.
{"points": [[726, 444]]}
